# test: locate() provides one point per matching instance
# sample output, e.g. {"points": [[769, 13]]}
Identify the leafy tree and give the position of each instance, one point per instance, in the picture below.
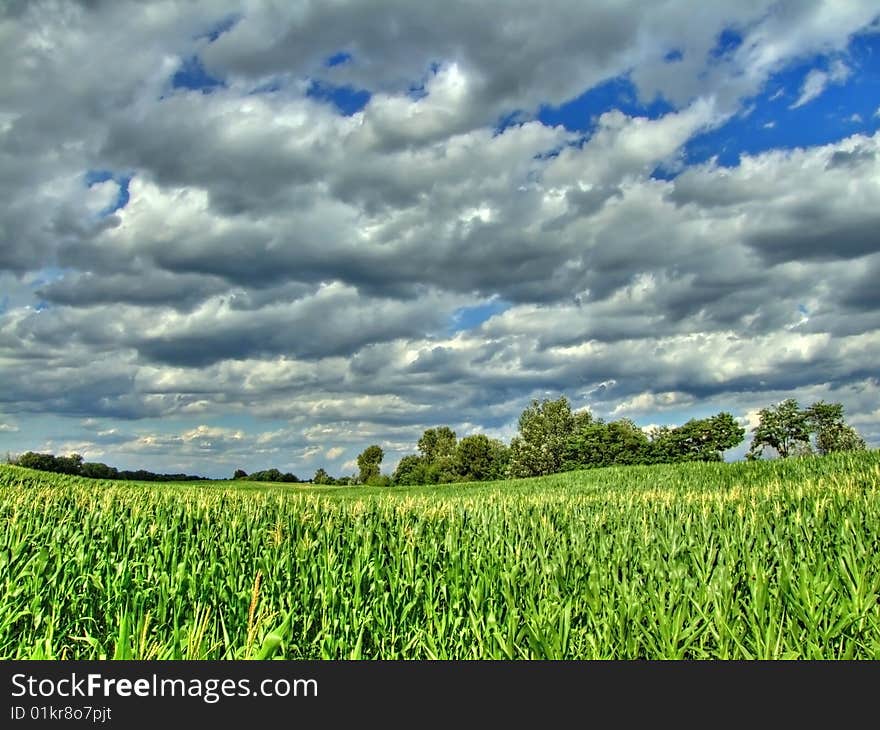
{"points": [[703, 439], [379, 480], [436, 443], [479, 458], [368, 462], [783, 427], [544, 430], [410, 470], [322, 477], [69, 464], [33, 460], [239, 474], [595, 443], [437, 448], [97, 470], [831, 431]]}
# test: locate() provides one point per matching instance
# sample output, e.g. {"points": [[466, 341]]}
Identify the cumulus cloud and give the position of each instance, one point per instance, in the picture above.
{"points": [[173, 261]]}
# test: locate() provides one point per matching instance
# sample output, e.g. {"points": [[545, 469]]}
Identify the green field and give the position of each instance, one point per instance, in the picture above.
{"points": [[750, 560]]}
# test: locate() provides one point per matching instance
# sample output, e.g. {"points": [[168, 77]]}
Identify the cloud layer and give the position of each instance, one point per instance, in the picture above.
{"points": [[241, 273]]}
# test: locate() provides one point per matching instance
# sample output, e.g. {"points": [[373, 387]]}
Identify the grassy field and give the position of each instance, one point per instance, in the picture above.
{"points": [[749, 560]]}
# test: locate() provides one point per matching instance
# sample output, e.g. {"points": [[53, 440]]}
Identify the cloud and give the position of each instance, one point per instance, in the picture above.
{"points": [[282, 283], [817, 81]]}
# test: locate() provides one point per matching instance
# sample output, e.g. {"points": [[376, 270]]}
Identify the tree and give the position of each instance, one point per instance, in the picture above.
{"points": [[831, 431], [239, 474], [410, 470], [544, 430], [33, 460], [703, 439], [97, 470], [479, 458], [368, 463], [598, 444], [322, 477], [437, 448], [437, 443], [69, 464], [784, 428]]}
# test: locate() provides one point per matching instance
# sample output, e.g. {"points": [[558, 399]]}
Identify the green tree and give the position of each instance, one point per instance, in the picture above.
{"points": [[544, 430], [239, 474], [410, 470], [783, 427], [437, 448], [595, 443], [437, 443], [700, 439], [97, 470], [831, 431], [479, 458], [322, 477], [368, 462]]}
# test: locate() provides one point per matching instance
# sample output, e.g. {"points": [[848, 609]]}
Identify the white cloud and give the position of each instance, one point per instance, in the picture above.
{"points": [[817, 81]]}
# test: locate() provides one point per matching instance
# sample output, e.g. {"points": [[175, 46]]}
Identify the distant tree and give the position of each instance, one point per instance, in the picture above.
{"points": [[344, 481], [437, 443], [410, 470], [34, 460], [322, 477], [379, 480], [544, 430], [239, 474], [368, 462], [97, 470], [479, 458], [596, 444], [69, 464], [831, 432], [703, 439], [783, 427], [437, 449]]}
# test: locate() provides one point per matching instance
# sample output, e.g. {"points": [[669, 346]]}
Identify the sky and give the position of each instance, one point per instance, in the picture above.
{"points": [[268, 234]]}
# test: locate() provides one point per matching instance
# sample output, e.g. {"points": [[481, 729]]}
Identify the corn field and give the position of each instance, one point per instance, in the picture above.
{"points": [[769, 560]]}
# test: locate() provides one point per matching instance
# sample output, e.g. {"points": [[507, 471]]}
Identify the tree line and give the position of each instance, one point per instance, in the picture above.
{"points": [[551, 438], [75, 465]]}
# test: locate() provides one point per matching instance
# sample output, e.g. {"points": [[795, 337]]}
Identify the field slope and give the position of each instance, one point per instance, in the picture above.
{"points": [[751, 560]]}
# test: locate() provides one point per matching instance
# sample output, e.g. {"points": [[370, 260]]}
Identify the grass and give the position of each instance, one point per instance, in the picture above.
{"points": [[749, 560]]}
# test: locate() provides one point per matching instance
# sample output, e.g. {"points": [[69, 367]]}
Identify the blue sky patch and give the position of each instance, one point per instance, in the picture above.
{"points": [[467, 318], [193, 76], [579, 114], [337, 59], [221, 27], [93, 177], [346, 99], [728, 41], [844, 107]]}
